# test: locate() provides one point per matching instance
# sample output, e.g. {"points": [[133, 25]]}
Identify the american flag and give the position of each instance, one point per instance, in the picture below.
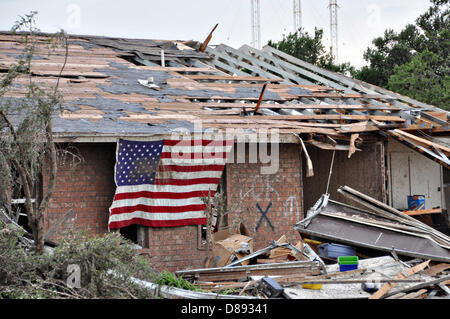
{"points": [[161, 183]]}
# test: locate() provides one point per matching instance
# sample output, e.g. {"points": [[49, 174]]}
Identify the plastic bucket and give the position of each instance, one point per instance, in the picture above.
{"points": [[416, 202]]}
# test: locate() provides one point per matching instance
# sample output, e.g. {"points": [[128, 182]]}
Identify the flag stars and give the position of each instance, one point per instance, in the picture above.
{"points": [[137, 162]]}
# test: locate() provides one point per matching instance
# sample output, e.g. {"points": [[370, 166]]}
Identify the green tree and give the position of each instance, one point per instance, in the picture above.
{"points": [[430, 34], [26, 142], [310, 48], [420, 79], [390, 50]]}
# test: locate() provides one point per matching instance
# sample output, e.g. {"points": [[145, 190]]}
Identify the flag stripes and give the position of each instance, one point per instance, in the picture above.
{"points": [[162, 183]]}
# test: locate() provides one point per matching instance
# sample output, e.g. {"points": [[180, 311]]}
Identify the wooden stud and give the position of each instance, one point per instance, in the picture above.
{"points": [[208, 38], [260, 98]]}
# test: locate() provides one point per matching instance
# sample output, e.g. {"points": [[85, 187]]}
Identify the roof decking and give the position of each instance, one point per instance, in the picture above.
{"points": [[117, 88]]}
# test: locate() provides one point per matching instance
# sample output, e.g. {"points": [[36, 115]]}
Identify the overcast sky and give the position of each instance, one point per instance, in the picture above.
{"points": [[359, 21]]}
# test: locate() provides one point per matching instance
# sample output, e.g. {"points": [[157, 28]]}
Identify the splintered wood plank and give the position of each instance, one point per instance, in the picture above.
{"points": [[442, 160], [349, 107], [397, 296], [335, 117], [239, 272], [281, 98], [431, 128], [175, 69], [329, 117], [281, 130], [232, 78], [268, 106], [436, 269], [78, 116], [425, 284], [423, 211], [69, 73], [423, 142], [415, 295], [439, 115], [311, 88], [53, 65], [408, 272]]}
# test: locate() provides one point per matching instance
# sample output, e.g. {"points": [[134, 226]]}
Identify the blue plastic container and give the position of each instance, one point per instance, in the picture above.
{"points": [[348, 267], [335, 250], [348, 263], [416, 202]]}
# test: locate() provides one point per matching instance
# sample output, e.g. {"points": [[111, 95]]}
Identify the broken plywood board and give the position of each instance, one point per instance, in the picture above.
{"points": [[403, 274], [429, 283], [380, 267], [240, 272]]}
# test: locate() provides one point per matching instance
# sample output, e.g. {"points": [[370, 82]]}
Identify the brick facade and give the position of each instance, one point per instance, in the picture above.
{"points": [[175, 248], [247, 188], [88, 190]]}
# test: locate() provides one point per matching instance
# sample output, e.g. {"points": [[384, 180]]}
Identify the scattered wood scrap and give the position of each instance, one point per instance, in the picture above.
{"points": [[386, 288], [282, 264], [423, 211]]}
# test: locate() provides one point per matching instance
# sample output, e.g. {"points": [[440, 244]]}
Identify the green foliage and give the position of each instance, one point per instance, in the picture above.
{"points": [[26, 274], [302, 45], [26, 142], [390, 50], [166, 278], [414, 62], [229, 291], [420, 79], [310, 48]]}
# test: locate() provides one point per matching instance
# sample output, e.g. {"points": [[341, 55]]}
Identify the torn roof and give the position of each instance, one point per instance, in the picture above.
{"points": [[116, 87]]}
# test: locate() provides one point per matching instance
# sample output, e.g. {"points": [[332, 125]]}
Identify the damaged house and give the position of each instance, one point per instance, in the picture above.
{"points": [[295, 133]]}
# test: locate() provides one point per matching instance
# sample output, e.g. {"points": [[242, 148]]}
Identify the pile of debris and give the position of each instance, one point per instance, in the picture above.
{"points": [[330, 261], [235, 268], [379, 227], [282, 271]]}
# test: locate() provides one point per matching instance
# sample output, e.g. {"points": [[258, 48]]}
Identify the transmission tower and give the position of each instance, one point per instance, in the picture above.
{"points": [[333, 29], [256, 24], [297, 14]]}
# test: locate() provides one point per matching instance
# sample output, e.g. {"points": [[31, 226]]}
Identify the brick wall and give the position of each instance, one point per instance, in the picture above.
{"points": [[174, 248], [247, 188], [88, 190], [83, 192]]}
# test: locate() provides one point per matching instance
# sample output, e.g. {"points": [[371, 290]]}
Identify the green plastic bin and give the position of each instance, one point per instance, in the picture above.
{"points": [[348, 263]]}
